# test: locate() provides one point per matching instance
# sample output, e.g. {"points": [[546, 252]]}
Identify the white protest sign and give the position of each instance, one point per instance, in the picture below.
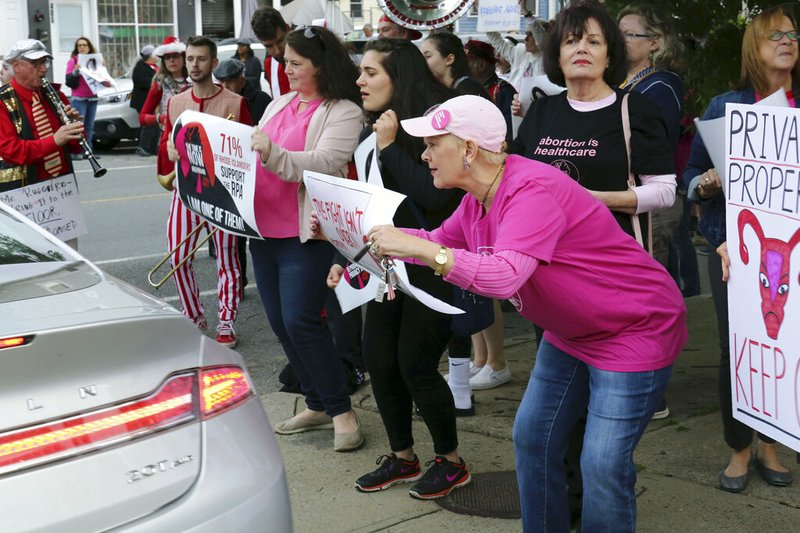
{"points": [[54, 204], [366, 160], [216, 173], [713, 132], [498, 15], [347, 209], [94, 71], [762, 190], [530, 89]]}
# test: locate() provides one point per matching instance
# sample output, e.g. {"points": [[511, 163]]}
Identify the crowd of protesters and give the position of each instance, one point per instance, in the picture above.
{"points": [[488, 198]]}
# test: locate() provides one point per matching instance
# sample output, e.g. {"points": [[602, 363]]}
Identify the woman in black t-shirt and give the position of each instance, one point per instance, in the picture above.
{"points": [[580, 131]]}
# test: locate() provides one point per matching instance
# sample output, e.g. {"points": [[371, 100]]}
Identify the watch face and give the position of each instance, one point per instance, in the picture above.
{"points": [[440, 258]]}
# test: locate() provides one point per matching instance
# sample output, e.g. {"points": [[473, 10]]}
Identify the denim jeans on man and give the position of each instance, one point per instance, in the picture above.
{"points": [[291, 282], [620, 405], [87, 107]]}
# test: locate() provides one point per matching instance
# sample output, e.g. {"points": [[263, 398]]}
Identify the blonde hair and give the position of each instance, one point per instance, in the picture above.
{"points": [[670, 53], [752, 74]]}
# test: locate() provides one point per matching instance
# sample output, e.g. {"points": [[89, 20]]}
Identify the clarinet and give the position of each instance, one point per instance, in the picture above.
{"points": [[54, 98]]}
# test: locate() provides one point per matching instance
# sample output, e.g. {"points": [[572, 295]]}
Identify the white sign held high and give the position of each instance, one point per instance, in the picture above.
{"points": [[498, 15]]}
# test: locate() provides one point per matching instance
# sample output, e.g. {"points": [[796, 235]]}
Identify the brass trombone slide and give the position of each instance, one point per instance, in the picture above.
{"points": [[169, 274]]}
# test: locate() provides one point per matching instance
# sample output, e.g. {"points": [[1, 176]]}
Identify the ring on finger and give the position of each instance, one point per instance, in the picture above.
{"points": [[373, 248]]}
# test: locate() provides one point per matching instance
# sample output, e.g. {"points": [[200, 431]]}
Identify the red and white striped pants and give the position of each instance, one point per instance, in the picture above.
{"points": [[181, 221]]}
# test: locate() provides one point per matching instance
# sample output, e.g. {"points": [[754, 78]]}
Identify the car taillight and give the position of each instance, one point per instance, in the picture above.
{"points": [[173, 403], [10, 342], [221, 388]]}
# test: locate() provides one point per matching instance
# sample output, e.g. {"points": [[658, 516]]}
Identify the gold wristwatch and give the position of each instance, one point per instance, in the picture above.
{"points": [[441, 260]]}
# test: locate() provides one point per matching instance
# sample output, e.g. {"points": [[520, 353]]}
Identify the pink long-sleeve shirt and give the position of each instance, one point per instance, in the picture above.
{"points": [[561, 258]]}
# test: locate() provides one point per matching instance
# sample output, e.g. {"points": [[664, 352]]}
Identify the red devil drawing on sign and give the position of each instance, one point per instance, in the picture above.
{"points": [[773, 273]]}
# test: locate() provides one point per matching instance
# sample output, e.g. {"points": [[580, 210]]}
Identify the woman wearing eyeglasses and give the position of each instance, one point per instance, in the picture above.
{"points": [[654, 55], [769, 64], [404, 339], [314, 127], [84, 97]]}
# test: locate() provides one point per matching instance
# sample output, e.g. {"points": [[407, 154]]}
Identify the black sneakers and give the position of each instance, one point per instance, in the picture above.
{"points": [[392, 470], [440, 479]]}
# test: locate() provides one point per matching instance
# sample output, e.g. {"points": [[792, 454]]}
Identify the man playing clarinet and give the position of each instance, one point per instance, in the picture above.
{"points": [[34, 144]]}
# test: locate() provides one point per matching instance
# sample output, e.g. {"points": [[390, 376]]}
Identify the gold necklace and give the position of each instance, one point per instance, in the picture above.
{"points": [[496, 176]]}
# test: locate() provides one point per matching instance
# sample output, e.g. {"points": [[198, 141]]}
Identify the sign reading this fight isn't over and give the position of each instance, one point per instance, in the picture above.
{"points": [[762, 191], [215, 174]]}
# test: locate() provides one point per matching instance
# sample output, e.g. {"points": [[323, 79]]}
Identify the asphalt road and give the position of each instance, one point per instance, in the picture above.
{"points": [[126, 213]]}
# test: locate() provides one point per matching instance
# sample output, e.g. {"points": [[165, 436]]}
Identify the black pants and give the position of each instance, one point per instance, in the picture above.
{"points": [[403, 343], [737, 435]]}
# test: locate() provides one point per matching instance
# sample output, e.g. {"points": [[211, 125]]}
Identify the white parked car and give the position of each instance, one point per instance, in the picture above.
{"points": [[116, 412]]}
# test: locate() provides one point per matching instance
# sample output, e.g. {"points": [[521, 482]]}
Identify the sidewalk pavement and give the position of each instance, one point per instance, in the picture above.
{"points": [[679, 458]]}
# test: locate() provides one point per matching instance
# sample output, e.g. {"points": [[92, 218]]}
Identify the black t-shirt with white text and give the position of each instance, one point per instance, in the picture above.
{"points": [[589, 146]]}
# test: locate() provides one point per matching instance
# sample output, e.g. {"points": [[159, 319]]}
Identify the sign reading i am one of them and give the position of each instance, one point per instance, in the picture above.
{"points": [[762, 190]]}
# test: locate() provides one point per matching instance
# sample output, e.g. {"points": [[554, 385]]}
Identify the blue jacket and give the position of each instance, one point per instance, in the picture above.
{"points": [[712, 222]]}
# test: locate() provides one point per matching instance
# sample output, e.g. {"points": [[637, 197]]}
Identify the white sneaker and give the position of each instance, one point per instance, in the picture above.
{"points": [[489, 379], [473, 371]]}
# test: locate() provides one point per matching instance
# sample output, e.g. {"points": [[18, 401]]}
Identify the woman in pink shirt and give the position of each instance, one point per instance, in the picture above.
{"points": [[614, 319], [83, 98], [313, 127]]}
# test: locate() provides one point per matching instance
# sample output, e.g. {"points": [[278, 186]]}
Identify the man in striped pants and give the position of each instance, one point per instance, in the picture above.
{"points": [[206, 97]]}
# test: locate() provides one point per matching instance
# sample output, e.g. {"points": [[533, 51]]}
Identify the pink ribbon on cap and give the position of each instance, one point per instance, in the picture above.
{"points": [[440, 119]]}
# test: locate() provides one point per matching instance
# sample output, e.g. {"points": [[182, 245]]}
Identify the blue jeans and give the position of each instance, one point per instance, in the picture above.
{"points": [[620, 405], [291, 282], [87, 109]]}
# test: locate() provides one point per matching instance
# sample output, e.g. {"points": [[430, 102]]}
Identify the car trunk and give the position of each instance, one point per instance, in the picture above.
{"points": [[80, 363]]}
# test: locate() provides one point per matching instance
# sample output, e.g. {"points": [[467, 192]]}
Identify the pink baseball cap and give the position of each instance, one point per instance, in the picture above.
{"points": [[468, 117]]}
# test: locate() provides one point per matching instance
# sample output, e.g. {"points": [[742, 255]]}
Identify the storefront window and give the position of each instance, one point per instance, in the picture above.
{"points": [[127, 25]]}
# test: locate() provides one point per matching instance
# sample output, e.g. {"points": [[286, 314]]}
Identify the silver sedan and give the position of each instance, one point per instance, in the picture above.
{"points": [[116, 412]]}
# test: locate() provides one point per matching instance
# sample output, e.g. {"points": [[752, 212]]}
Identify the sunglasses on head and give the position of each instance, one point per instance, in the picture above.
{"points": [[309, 32]]}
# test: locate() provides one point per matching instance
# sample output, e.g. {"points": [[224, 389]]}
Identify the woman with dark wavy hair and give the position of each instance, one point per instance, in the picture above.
{"points": [[313, 127], [404, 339]]}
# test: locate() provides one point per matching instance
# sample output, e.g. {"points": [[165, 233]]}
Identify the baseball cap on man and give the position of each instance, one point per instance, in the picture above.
{"points": [[229, 69], [413, 35], [468, 117], [30, 49], [147, 51]]}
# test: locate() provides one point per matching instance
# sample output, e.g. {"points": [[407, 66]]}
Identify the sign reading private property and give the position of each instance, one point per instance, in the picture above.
{"points": [[216, 173], [498, 15], [347, 209], [762, 190], [54, 204]]}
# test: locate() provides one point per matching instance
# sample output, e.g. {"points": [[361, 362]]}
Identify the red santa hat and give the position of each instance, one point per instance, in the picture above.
{"points": [[171, 45]]}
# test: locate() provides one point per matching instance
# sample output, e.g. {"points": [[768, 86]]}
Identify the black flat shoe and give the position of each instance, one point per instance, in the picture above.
{"points": [[773, 477], [733, 484]]}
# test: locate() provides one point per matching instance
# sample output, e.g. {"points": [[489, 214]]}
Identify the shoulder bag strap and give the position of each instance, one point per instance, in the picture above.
{"points": [[637, 227]]}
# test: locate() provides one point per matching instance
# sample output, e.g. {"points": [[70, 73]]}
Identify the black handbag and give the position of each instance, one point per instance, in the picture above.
{"points": [[478, 312]]}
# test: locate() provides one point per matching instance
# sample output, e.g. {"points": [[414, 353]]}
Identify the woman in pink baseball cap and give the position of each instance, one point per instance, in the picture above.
{"points": [[614, 319]]}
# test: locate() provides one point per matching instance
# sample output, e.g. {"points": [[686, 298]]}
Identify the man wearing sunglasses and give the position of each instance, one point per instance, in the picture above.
{"points": [[34, 144], [271, 30]]}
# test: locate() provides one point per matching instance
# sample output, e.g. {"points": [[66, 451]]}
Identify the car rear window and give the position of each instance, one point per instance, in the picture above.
{"points": [[19, 243]]}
